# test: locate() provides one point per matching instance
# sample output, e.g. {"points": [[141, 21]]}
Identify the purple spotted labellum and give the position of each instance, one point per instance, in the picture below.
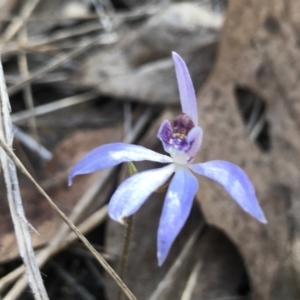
{"points": [[182, 140]]}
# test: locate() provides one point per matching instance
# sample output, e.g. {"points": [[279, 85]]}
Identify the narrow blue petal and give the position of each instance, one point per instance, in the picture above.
{"points": [[186, 89], [194, 139], [135, 190], [177, 207], [109, 155], [236, 182], [165, 134]]}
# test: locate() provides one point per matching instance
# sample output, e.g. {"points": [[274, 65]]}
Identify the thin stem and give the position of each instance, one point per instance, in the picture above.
{"points": [[125, 254], [127, 238]]}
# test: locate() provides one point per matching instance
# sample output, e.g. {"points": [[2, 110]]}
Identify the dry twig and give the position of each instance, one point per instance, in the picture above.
{"points": [[21, 225]]}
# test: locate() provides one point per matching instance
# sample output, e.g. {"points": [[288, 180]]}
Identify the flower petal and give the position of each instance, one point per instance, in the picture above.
{"points": [[109, 155], [177, 207], [194, 139], [135, 190], [186, 88], [236, 183], [165, 133]]}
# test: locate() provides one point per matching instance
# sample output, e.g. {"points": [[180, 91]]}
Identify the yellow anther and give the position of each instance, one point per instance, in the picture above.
{"points": [[179, 135]]}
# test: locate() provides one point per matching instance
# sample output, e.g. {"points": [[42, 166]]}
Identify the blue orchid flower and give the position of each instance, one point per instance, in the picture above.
{"points": [[182, 140]]}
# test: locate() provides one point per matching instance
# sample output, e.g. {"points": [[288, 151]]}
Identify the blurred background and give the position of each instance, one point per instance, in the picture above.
{"points": [[82, 73]]}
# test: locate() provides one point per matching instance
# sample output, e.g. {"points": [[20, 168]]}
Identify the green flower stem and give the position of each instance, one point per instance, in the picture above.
{"points": [[127, 238]]}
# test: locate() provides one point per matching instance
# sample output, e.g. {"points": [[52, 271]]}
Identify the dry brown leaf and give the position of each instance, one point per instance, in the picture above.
{"points": [[260, 51]]}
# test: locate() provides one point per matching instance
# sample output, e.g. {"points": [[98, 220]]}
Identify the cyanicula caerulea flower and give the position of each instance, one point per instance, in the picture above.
{"points": [[182, 140]]}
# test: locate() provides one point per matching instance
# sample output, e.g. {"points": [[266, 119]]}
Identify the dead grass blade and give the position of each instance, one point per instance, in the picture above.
{"points": [[17, 23], [27, 91], [21, 225], [57, 61], [37, 41], [53, 106], [32, 144], [167, 281], [192, 282]]}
